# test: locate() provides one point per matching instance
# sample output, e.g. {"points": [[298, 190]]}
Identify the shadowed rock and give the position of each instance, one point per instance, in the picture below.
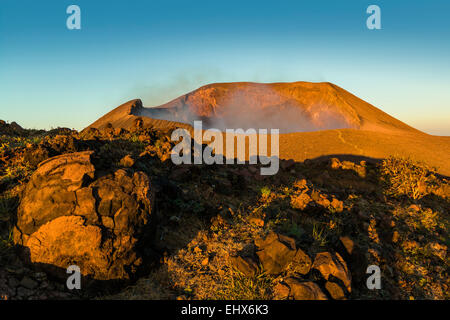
{"points": [[275, 252], [244, 265], [301, 262], [304, 290], [333, 264]]}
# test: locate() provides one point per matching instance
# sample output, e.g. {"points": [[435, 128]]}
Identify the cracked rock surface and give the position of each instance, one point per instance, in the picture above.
{"points": [[72, 214]]}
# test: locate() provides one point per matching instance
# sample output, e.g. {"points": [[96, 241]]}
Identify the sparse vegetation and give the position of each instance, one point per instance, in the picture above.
{"points": [[319, 235], [405, 177], [6, 244], [293, 230], [265, 192]]}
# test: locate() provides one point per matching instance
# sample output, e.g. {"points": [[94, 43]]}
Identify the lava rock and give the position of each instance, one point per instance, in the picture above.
{"points": [[70, 216], [333, 264], [301, 262], [280, 291], [244, 265], [304, 290], [335, 290], [275, 252]]}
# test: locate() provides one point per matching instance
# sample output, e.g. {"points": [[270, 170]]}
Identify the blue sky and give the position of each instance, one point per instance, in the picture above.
{"points": [[157, 50]]}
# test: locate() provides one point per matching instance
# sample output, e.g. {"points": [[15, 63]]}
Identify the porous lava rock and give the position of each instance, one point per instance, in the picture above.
{"points": [[70, 213]]}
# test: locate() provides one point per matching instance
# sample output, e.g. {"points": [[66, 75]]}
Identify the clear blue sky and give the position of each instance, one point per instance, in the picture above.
{"points": [[157, 50]]}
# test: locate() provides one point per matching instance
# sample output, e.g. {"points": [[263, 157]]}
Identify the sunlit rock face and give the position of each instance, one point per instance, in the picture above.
{"points": [[70, 214]]}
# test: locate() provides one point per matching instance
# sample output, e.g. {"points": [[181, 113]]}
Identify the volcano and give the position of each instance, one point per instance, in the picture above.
{"points": [[290, 107], [315, 120]]}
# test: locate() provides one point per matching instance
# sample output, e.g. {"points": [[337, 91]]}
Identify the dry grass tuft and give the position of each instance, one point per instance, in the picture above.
{"points": [[237, 286]]}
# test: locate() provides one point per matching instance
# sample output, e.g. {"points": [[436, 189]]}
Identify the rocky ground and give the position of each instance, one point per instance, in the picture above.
{"points": [[112, 202]]}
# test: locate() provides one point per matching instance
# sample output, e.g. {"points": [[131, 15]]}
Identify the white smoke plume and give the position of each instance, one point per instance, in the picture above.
{"points": [[243, 109]]}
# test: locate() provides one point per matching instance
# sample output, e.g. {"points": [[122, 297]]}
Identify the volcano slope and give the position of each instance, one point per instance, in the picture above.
{"points": [[315, 120]]}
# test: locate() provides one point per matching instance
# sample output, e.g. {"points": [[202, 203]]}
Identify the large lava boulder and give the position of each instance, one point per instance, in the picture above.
{"points": [[72, 214]]}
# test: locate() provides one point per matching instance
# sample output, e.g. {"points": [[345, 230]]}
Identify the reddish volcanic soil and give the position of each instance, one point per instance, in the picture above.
{"points": [[315, 119]]}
